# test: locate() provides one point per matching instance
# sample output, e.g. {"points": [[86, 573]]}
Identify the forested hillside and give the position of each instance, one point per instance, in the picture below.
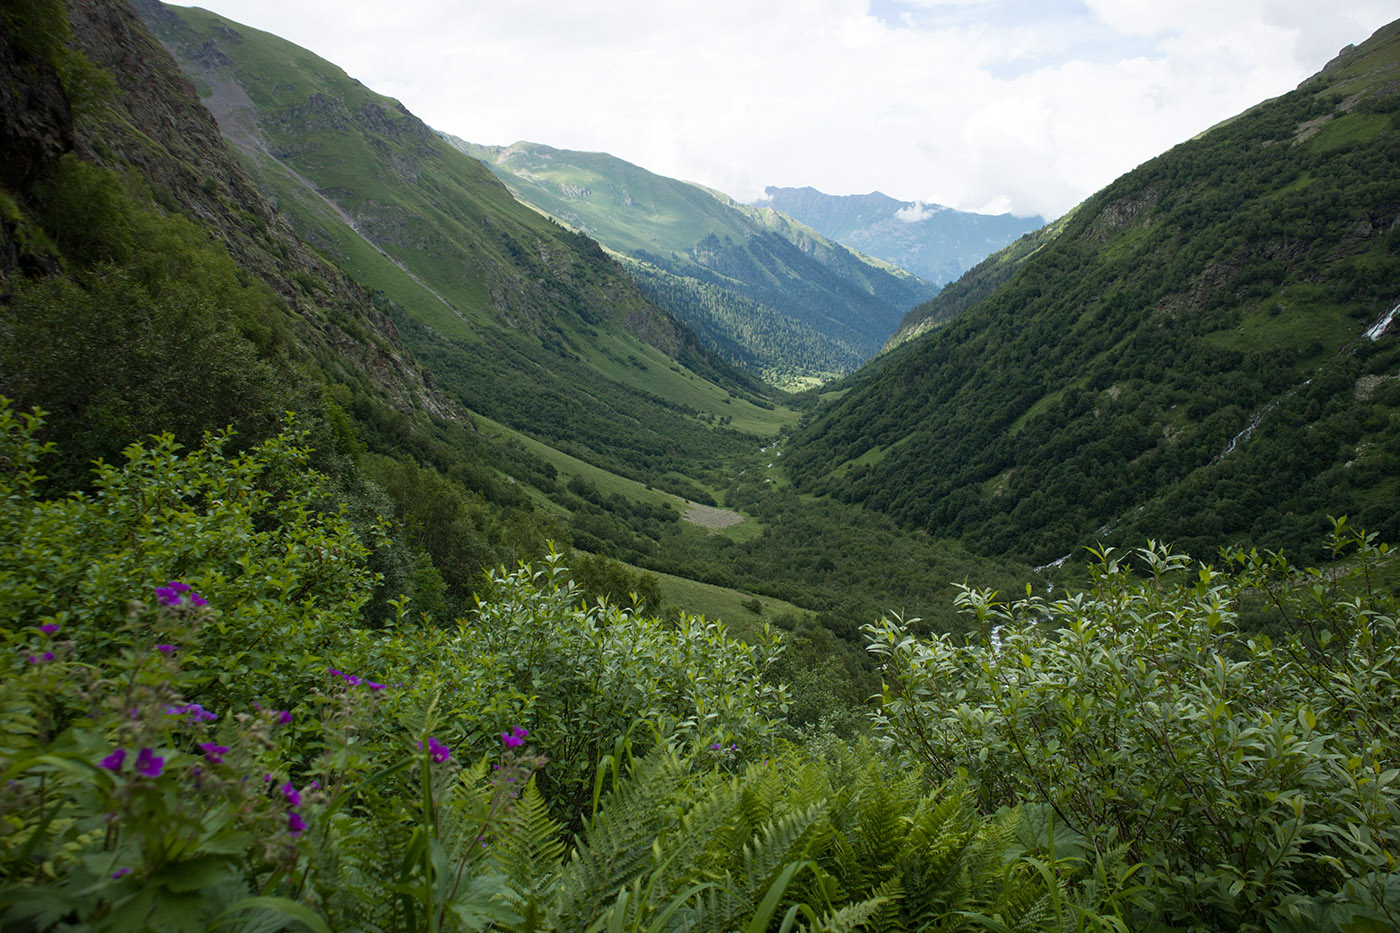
{"points": [[1195, 354], [770, 294]]}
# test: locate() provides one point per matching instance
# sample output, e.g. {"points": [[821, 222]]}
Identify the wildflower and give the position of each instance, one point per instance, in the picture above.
{"points": [[295, 824], [166, 649], [113, 762], [515, 738], [374, 686], [48, 628], [290, 792], [149, 763], [333, 672], [439, 751], [352, 680], [213, 753], [283, 716], [715, 747], [120, 873], [196, 712], [171, 594]]}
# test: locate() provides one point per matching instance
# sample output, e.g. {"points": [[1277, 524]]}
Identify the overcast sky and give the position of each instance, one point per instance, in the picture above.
{"points": [[1025, 106]]}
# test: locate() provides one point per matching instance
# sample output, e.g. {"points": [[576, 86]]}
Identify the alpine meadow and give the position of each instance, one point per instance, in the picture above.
{"points": [[406, 533]]}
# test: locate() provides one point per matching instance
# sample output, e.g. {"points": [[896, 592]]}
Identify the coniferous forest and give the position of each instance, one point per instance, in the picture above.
{"points": [[422, 573]]}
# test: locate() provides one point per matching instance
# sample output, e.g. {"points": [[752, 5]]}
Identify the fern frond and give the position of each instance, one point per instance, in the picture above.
{"points": [[851, 917], [529, 851], [783, 841], [616, 847]]}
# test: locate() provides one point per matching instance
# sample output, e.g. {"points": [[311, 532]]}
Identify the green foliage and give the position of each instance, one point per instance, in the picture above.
{"points": [[597, 672], [832, 844], [602, 578], [1255, 778], [304, 692]]}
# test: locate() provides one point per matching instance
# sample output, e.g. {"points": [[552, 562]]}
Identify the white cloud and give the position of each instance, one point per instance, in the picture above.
{"points": [[917, 212], [977, 104]]}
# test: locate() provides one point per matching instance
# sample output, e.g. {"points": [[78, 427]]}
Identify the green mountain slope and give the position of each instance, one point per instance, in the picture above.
{"points": [[934, 242], [770, 294], [1188, 358], [518, 318]]}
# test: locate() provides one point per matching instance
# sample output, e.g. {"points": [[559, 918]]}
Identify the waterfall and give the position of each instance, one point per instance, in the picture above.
{"points": [[1382, 324]]}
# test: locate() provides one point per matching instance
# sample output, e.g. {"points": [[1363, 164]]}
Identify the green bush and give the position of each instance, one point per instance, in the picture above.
{"points": [[1256, 779]]}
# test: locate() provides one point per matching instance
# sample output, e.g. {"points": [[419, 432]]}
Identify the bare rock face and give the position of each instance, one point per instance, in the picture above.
{"points": [[36, 128], [36, 122]]}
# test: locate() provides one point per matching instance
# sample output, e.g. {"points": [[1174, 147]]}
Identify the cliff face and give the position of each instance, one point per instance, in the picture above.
{"points": [[136, 113]]}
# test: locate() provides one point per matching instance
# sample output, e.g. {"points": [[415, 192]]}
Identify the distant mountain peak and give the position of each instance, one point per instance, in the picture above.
{"points": [[931, 240]]}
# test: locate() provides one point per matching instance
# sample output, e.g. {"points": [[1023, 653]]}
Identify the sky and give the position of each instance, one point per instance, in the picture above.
{"points": [[1026, 106]]}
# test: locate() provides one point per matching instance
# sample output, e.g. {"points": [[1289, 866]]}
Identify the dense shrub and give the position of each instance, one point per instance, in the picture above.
{"points": [[1255, 778]]}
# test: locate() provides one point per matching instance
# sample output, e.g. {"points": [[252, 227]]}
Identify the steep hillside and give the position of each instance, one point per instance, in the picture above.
{"points": [[1201, 354], [519, 318], [976, 284], [772, 295], [934, 242], [113, 160]]}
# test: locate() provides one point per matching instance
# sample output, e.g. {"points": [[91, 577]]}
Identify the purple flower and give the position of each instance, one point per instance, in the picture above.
{"points": [[113, 762], [214, 753], [290, 792], [149, 763], [715, 747], [166, 649], [374, 686], [196, 712], [515, 738], [439, 751], [295, 824], [169, 595], [352, 680], [333, 672], [48, 628], [283, 716], [120, 872]]}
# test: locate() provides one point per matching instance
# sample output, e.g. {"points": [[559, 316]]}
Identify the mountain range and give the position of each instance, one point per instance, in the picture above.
{"points": [[769, 293], [934, 242]]}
